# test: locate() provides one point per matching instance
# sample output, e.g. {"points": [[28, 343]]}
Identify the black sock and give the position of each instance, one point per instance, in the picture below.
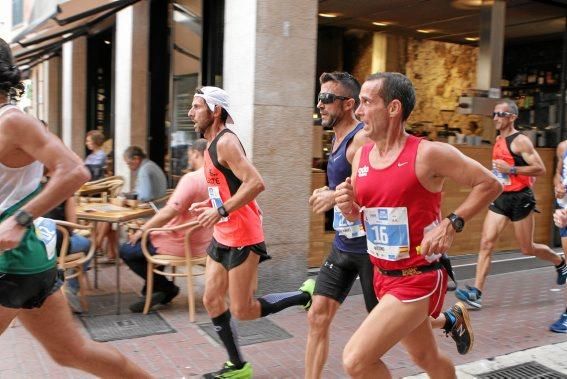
{"points": [[275, 302], [565, 310], [560, 265], [226, 330]]}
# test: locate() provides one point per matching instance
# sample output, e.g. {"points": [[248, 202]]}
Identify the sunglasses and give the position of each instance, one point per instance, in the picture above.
{"points": [[502, 114], [328, 98]]}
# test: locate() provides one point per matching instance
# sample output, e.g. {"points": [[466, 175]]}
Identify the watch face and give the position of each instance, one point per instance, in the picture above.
{"points": [[24, 218], [457, 222]]}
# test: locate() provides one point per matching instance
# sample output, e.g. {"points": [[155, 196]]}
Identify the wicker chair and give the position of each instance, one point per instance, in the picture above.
{"points": [[173, 261]]}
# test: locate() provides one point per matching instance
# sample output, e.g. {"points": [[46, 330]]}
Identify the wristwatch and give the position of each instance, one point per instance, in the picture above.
{"points": [[457, 222], [23, 218], [222, 211]]}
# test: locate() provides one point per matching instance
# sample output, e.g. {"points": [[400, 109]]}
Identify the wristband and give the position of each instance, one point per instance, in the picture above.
{"points": [[513, 170]]}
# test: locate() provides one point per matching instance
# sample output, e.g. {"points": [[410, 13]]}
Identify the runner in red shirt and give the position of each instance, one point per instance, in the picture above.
{"points": [[515, 163], [396, 185], [238, 239]]}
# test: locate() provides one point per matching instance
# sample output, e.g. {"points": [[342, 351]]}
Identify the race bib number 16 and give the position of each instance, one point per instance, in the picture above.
{"points": [[387, 232]]}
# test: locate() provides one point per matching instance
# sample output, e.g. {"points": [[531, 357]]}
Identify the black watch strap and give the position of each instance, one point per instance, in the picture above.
{"points": [[23, 218], [457, 222], [222, 211]]}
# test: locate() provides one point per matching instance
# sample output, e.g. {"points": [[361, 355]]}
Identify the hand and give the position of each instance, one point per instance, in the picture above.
{"points": [[501, 166], [344, 196], [11, 234], [322, 200], [559, 191], [197, 208], [439, 239], [134, 237], [209, 217], [560, 218]]}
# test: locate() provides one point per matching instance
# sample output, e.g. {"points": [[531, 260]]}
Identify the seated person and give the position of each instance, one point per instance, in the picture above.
{"points": [[66, 211], [96, 160], [151, 184], [192, 188]]}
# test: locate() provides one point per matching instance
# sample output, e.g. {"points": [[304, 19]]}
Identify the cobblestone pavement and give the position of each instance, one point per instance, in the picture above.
{"points": [[517, 310]]}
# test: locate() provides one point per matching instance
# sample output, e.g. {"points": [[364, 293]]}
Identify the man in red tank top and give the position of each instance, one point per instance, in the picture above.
{"points": [[396, 185], [515, 163], [238, 239]]}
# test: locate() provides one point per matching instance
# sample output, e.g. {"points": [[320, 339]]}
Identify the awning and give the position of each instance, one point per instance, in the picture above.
{"points": [[51, 28]]}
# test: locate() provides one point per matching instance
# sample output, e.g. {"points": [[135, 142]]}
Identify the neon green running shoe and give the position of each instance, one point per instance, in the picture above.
{"points": [[308, 286], [228, 371]]}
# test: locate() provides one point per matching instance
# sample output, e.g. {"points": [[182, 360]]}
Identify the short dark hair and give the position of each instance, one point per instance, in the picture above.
{"points": [[134, 151], [396, 86], [199, 145], [96, 136], [346, 80], [224, 113], [10, 76]]}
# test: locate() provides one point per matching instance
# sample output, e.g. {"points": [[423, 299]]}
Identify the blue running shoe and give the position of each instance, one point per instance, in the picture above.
{"points": [[560, 326], [471, 296]]}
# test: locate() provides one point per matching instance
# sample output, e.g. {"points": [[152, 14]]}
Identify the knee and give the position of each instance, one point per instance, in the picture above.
{"points": [[213, 304], [241, 311], [486, 247], [353, 362], [319, 320], [67, 357], [424, 358]]}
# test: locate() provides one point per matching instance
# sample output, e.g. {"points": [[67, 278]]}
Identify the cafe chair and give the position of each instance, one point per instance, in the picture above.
{"points": [[112, 185], [173, 261], [72, 264]]}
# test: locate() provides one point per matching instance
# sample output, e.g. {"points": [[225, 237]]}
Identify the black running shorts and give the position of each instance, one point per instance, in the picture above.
{"points": [[515, 205], [338, 273], [29, 291], [231, 257]]}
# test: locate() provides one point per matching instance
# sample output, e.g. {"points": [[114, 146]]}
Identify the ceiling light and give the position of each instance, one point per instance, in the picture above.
{"points": [[470, 4], [380, 23], [329, 15], [472, 39], [425, 31]]}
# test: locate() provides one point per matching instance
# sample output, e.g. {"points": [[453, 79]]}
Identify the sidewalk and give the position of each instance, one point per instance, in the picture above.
{"points": [[518, 309]]}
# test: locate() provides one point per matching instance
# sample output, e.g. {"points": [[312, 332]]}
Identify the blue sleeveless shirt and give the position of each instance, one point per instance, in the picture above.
{"points": [[349, 236]]}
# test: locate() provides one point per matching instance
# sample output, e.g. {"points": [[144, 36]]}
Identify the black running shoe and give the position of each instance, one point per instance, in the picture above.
{"points": [[461, 332]]}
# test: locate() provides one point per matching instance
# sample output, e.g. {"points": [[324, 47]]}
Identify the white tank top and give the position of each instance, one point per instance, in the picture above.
{"points": [[17, 183]]}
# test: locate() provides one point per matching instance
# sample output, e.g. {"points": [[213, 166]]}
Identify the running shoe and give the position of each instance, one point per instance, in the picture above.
{"points": [[461, 330], [561, 274], [308, 287], [228, 371], [470, 296], [560, 326]]}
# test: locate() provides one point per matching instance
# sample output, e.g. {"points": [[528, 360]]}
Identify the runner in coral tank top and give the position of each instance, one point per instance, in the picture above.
{"points": [[395, 187], [238, 239]]}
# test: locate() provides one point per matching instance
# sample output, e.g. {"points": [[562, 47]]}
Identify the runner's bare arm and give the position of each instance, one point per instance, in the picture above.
{"points": [[523, 146], [439, 161], [231, 155], [25, 134], [345, 192], [356, 143], [557, 180]]}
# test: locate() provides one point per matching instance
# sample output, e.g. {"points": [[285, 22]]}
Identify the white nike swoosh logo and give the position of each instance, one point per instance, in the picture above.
{"points": [[400, 164], [335, 158]]}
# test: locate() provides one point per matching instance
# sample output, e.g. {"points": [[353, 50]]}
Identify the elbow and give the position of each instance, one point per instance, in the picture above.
{"points": [[541, 171], [81, 175], [260, 186]]}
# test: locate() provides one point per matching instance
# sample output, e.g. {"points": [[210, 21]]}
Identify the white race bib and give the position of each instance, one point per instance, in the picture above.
{"points": [[345, 227], [46, 232], [503, 178], [387, 233], [216, 200]]}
